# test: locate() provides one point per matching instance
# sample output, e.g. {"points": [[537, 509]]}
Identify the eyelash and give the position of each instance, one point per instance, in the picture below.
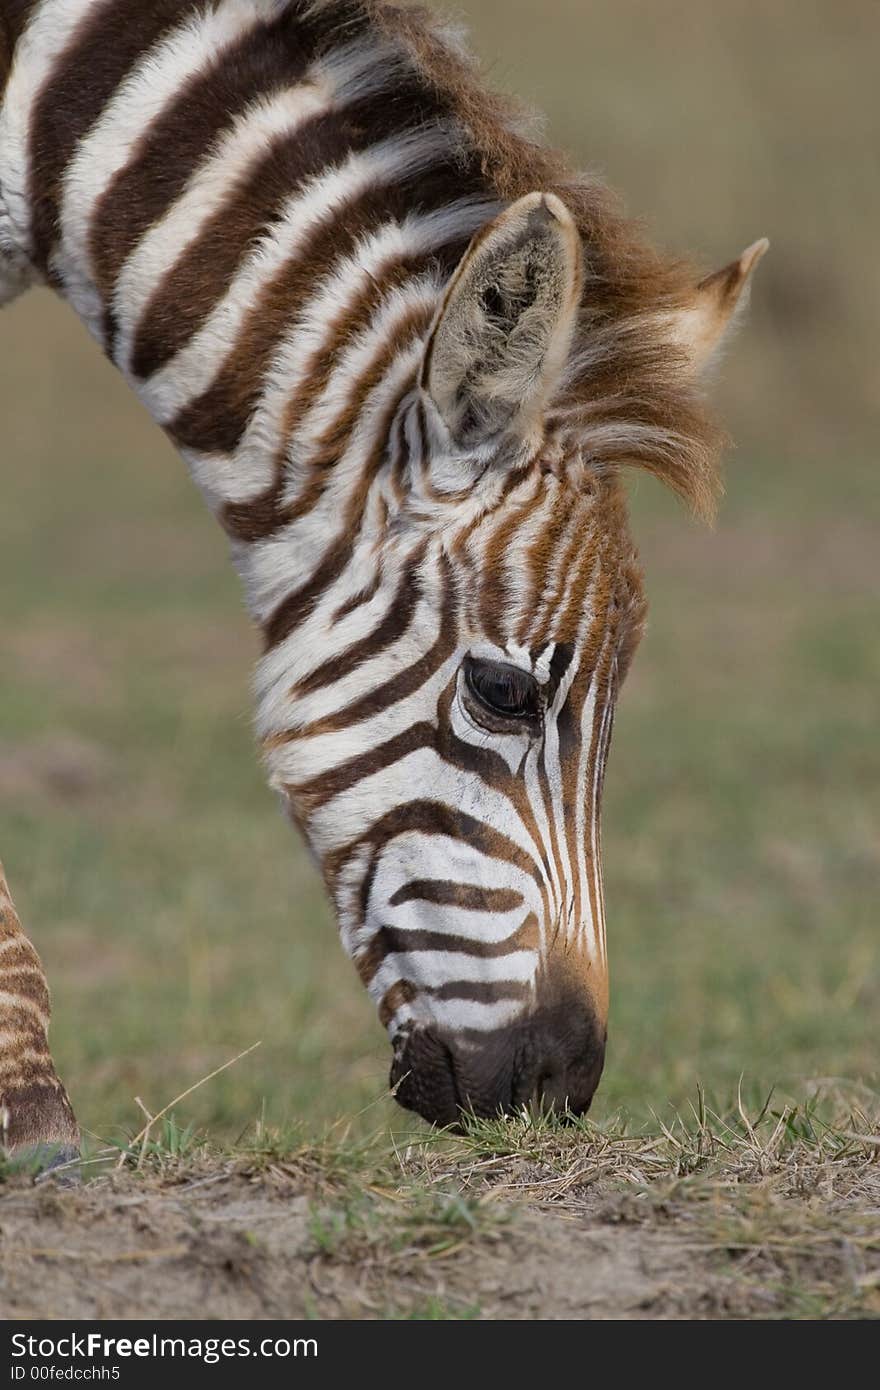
{"points": [[485, 678]]}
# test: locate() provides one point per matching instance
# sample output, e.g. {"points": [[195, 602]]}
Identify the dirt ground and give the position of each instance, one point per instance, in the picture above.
{"points": [[278, 1244], [246, 1250]]}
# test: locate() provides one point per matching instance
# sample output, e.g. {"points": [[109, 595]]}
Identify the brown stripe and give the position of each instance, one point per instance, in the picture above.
{"points": [[480, 992], [401, 685], [494, 770], [551, 851], [399, 941], [391, 692], [110, 41], [13, 22], [563, 656], [490, 767], [591, 578], [446, 893], [390, 941], [593, 865], [599, 570], [191, 289], [267, 58], [480, 762], [33, 1103], [295, 608], [187, 296], [494, 601], [398, 995], [398, 453], [558, 548], [570, 754], [467, 553], [434, 818], [387, 942], [308, 796], [21, 975], [262, 516], [395, 623], [216, 420], [292, 610], [15, 18], [358, 600], [336, 438]]}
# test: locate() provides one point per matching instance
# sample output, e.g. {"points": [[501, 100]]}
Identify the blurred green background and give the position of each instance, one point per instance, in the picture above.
{"points": [[178, 917]]}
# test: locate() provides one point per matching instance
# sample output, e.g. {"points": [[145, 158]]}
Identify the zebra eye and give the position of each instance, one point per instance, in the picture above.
{"points": [[505, 691]]}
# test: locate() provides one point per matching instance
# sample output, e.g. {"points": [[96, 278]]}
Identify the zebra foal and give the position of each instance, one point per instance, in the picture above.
{"points": [[405, 351]]}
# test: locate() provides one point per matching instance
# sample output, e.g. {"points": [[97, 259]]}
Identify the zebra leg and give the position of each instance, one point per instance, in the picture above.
{"points": [[36, 1118], [35, 1113]]}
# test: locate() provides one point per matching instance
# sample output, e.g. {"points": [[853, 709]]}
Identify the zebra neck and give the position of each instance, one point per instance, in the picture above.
{"points": [[257, 234]]}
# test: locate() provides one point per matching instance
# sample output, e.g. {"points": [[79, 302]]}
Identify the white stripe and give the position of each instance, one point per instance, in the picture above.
{"points": [[602, 751], [358, 357], [249, 471], [191, 371], [513, 748], [372, 672], [207, 191], [593, 722], [422, 773], [19, 1001], [352, 72], [452, 1014], [18, 938], [434, 969], [315, 641], [416, 855], [141, 98], [48, 33]]}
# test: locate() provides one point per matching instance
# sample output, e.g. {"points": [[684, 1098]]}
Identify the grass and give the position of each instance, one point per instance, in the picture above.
{"points": [[773, 1208], [180, 921]]}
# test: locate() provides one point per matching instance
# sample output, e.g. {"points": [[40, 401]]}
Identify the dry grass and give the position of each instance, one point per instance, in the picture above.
{"points": [[770, 1214]]}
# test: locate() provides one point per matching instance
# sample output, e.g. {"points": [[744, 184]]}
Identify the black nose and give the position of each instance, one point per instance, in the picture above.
{"points": [[553, 1056]]}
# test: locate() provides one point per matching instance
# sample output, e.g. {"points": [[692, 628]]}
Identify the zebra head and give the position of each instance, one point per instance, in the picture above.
{"points": [[439, 720]]}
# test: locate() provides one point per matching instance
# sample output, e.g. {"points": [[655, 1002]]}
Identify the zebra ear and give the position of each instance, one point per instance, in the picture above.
{"points": [[504, 329], [701, 327]]}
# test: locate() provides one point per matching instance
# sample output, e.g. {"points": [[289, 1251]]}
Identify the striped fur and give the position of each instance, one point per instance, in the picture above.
{"points": [[258, 208], [34, 1108]]}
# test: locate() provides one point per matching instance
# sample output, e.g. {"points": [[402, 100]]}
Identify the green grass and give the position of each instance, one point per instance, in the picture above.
{"points": [[178, 917], [764, 1211]]}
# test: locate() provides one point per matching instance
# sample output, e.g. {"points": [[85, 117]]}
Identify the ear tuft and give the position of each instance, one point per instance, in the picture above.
{"points": [[503, 332], [700, 327]]}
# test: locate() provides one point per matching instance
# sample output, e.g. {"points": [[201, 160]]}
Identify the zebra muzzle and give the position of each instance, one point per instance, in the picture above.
{"points": [[552, 1057]]}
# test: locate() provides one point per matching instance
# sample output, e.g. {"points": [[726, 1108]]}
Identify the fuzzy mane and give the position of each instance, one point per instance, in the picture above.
{"points": [[627, 396]]}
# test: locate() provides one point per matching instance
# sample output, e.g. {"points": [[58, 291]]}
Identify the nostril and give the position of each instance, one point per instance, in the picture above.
{"points": [[423, 1077], [551, 1089]]}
